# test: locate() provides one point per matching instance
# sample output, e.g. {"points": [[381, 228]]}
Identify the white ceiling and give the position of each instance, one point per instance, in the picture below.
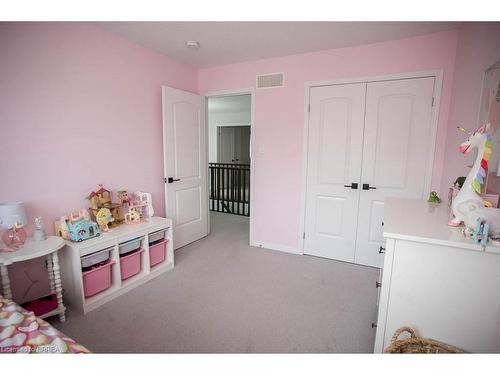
{"points": [[233, 103], [232, 42]]}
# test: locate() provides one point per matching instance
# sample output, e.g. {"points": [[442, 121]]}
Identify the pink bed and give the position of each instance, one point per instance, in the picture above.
{"points": [[22, 332]]}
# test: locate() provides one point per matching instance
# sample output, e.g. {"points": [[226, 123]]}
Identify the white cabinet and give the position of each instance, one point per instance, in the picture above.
{"points": [[436, 281], [366, 142], [73, 253]]}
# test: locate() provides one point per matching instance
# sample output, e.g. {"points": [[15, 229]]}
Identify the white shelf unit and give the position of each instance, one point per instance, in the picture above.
{"points": [[71, 266]]}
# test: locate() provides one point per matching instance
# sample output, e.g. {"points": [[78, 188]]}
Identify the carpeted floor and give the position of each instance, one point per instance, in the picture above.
{"points": [[224, 296]]}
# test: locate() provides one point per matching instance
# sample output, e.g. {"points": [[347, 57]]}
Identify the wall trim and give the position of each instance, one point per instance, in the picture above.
{"points": [[277, 247]]}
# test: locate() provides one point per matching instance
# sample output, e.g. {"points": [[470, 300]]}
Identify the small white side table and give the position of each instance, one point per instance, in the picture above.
{"points": [[31, 250]]}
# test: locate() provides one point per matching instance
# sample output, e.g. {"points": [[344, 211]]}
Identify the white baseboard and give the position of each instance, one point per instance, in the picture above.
{"points": [[275, 246]]}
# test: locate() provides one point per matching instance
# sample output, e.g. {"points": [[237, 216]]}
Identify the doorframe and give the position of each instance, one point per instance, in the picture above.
{"points": [[232, 92], [308, 85]]}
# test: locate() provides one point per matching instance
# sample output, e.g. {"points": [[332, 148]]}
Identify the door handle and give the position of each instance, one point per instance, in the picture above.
{"points": [[381, 250], [353, 185], [171, 179], [368, 187]]}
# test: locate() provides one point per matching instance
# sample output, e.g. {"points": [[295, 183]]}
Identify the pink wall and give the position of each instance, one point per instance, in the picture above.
{"points": [[80, 106], [279, 116], [478, 48]]}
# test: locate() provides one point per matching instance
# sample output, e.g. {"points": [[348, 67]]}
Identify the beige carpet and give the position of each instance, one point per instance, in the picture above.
{"points": [[224, 296]]}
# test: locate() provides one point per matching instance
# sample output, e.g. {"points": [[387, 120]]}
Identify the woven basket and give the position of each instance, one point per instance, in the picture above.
{"points": [[418, 345]]}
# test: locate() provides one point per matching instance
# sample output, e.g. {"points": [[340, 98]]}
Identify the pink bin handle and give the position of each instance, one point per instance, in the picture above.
{"points": [[141, 250], [98, 268], [162, 241]]}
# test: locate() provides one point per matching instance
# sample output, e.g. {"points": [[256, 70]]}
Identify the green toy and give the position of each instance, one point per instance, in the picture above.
{"points": [[433, 198]]}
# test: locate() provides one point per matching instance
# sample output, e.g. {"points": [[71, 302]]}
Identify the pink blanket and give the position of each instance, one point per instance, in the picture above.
{"points": [[22, 332]]}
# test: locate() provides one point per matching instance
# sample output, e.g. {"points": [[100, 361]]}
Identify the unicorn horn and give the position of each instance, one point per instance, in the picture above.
{"points": [[462, 129]]}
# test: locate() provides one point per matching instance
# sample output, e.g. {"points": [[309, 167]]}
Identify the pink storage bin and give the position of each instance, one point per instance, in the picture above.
{"points": [[130, 265], [157, 252], [97, 279]]}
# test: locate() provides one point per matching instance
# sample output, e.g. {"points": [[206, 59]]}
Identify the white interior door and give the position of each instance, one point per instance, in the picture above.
{"points": [[242, 144], [397, 138], [225, 142], [335, 142], [185, 153]]}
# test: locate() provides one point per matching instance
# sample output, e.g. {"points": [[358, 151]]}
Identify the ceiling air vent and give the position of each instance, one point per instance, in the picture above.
{"points": [[266, 81]]}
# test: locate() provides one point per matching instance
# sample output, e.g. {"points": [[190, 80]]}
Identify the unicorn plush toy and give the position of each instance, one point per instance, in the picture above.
{"points": [[468, 206]]}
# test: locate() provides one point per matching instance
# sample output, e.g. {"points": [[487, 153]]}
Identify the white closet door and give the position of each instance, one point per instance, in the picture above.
{"points": [[334, 160], [397, 138]]}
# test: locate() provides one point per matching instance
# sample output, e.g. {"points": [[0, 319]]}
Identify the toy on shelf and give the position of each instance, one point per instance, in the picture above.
{"points": [[61, 227], [468, 206], [122, 197], [434, 198], [77, 227], [142, 203], [102, 198], [103, 218], [132, 216]]}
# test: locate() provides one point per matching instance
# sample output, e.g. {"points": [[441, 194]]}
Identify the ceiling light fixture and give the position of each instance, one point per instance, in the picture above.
{"points": [[193, 44]]}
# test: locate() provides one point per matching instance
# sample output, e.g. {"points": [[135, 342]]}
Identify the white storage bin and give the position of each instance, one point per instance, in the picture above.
{"points": [[156, 236], [129, 246], [97, 257]]}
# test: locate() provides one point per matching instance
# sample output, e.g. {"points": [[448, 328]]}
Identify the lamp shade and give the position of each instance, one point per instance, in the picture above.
{"points": [[12, 213]]}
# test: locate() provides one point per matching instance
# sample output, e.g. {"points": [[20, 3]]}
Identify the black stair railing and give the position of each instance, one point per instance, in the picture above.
{"points": [[230, 188]]}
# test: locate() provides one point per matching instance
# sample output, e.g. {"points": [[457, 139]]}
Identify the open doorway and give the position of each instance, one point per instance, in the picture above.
{"points": [[229, 156]]}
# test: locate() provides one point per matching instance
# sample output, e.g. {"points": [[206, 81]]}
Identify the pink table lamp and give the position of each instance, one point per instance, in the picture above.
{"points": [[13, 219]]}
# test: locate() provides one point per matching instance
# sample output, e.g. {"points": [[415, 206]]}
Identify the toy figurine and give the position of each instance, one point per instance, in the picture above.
{"points": [[103, 218], [123, 197], [480, 234], [39, 234], [468, 206], [433, 198]]}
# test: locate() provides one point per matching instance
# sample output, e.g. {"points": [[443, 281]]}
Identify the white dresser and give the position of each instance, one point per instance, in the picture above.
{"points": [[436, 281]]}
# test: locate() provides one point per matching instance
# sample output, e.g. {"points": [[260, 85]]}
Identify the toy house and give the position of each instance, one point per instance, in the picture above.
{"points": [[102, 198]]}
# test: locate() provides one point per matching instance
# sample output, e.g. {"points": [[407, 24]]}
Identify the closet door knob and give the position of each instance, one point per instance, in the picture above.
{"points": [[368, 187], [374, 325], [378, 284], [381, 250], [353, 185], [171, 179]]}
